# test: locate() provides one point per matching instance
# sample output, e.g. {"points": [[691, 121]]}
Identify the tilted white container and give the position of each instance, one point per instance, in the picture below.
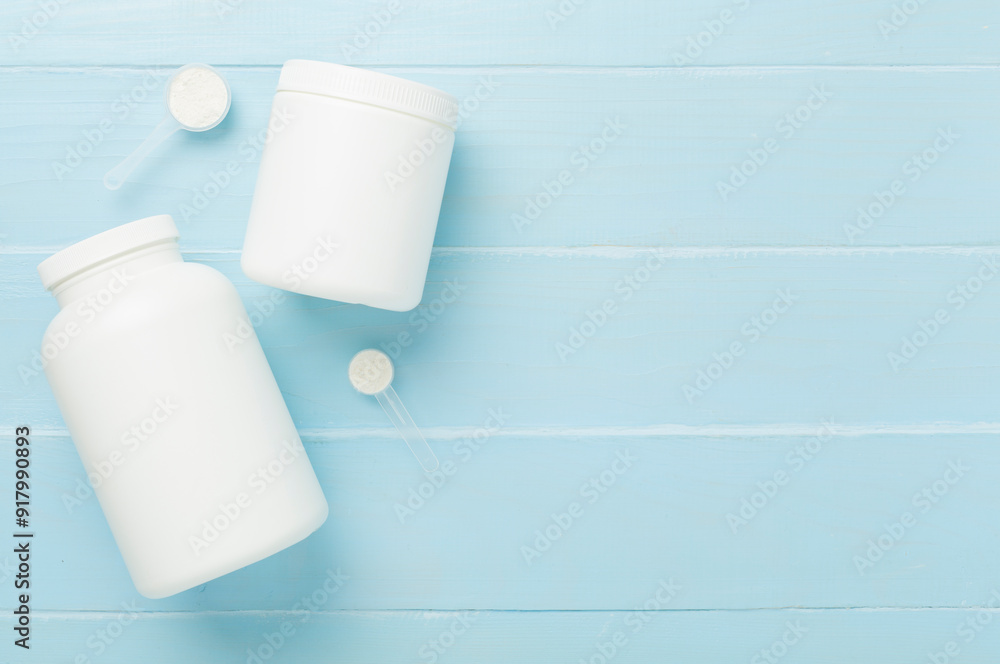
{"points": [[350, 185], [173, 409]]}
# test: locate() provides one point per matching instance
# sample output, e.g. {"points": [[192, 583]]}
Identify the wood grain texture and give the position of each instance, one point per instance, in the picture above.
{"points": [[885, 91], [683, 132], [460, 32], [520, 334], [651, 508], [542, 637]]}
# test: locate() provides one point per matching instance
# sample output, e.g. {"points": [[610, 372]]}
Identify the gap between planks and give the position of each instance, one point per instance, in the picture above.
{"points": [[632, 251], [649, 431], [540, 67], [101, 614]]}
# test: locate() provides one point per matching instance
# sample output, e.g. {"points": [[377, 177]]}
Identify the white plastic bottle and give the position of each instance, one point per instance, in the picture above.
{"points": [[350, 185], [174, 410]]}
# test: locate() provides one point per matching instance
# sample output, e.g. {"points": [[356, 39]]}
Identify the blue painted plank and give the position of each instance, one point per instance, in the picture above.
{"points": [[667, 179], [530, 330], [709, 637], [648, 506], [515, 32]]}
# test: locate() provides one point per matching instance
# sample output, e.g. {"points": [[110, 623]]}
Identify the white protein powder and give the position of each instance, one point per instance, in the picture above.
{"points": [[371, 371], [198, 98]]}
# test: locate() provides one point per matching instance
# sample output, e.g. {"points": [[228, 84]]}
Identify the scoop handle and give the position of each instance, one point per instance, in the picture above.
{"points": [[116, 176], [407, 428]]}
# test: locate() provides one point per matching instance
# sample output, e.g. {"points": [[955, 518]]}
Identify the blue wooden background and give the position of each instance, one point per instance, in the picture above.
{"points": [[831, 439]]}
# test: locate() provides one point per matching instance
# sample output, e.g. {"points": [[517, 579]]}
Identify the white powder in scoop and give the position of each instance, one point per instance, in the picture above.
{"points": [[198, 98], [370, 371]]}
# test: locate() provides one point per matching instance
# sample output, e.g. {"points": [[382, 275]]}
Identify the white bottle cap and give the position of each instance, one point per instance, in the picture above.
{"points": [[104, 246], [343, 82]]}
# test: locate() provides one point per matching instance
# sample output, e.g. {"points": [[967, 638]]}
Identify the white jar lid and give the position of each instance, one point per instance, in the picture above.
{"points": [[369, 87], [103, 246]]}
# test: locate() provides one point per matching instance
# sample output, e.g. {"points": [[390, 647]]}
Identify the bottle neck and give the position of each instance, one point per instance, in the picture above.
{"points": [[107, 279]]}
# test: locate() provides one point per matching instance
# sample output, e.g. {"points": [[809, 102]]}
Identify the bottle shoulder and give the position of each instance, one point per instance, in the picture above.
{"points": [[164, 290]]}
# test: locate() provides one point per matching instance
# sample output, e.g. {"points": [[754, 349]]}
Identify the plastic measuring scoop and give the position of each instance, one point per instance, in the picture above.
{"points": [[197, 97], [371, 373]]}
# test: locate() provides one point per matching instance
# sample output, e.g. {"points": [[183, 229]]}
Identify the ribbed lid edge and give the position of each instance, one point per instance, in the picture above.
{"points": [[78, 257], [391, 92]]}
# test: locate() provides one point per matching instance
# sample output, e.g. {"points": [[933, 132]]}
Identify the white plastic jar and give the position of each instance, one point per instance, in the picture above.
{"points": [[173, 409], [350, 185]]}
